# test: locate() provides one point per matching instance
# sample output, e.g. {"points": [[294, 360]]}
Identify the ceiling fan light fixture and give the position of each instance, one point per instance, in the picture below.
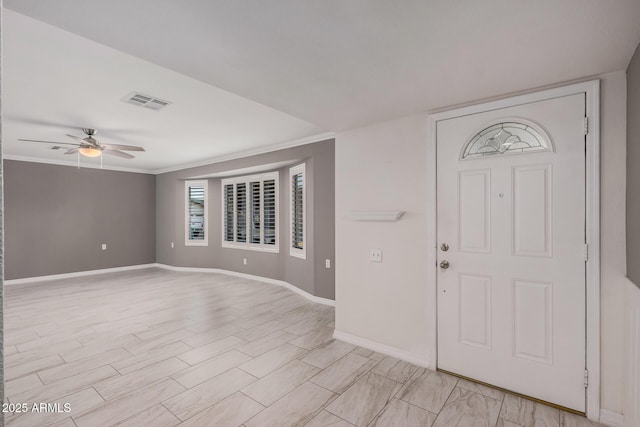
{"points": [[90, 151]]}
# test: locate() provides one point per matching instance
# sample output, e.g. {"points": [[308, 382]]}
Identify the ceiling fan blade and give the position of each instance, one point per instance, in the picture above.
{"points": [[118, 153], [85, 141], [49, 142], [122, 147], [72, 151]]}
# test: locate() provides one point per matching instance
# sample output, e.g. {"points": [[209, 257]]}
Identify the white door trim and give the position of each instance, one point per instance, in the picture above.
{"points": [[592, 90]]}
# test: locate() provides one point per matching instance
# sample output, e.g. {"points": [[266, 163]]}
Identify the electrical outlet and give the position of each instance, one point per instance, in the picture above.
{"points": [[104, 246], [327, 263], [172, 245], [244, 261], [376, 255]]}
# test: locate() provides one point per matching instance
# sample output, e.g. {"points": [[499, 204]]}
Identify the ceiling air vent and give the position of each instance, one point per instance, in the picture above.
{"points": [[145, 101]]}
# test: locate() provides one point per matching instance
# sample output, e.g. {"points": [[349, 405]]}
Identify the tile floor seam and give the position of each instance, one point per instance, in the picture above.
{"points": [[499, 411], [40, 378], [377, 415], [415, 406], [103, 398], [169, 410], [192, 348], [253, 357], [330, 391], [323, 409], [451, 392], [264, 407]]}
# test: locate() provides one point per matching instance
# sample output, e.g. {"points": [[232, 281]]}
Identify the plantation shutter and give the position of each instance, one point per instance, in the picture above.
{"points": [[297, 210], [249, 212], [241, 212], [254, 204], [228, 212], [196, 212], [269, 200]]}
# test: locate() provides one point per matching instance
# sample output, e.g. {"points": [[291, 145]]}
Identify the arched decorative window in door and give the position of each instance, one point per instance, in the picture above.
{"points": [[508, 136]]}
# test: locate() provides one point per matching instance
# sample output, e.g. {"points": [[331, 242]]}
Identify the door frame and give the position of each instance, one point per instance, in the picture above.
{"points": [[592, 204]]}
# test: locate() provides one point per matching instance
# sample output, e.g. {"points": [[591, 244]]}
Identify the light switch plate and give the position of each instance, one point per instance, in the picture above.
{"points": [[376, 255], [104, 246]]}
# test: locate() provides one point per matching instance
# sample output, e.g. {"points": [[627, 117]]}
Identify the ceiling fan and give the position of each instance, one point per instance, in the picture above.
{"points": [[90, 147]]}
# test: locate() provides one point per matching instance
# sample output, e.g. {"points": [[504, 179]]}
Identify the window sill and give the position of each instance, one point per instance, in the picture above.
{"points": [[298, 253], [249, 247], [192, 243]]}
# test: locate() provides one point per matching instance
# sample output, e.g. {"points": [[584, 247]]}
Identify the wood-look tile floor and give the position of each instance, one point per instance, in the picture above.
{"points": [[157, 348]]}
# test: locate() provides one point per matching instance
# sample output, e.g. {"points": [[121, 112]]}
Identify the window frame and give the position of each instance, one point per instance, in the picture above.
{"points": [[187, 223], [293, 251], [247, 180]]}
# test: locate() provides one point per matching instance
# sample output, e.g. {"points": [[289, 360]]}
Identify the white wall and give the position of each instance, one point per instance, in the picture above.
{"points": [[632, 351], [613, 148], [384, 166]]}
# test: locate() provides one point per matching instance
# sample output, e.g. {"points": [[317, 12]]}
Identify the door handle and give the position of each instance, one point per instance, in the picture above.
{"points": [[444, 264]]}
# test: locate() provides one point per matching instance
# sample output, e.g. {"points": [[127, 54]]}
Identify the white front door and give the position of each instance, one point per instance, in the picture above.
{"points": [[511, 208]]}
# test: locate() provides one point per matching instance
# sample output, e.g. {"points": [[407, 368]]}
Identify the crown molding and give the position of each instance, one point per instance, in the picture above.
{"points": [[241, 154]]}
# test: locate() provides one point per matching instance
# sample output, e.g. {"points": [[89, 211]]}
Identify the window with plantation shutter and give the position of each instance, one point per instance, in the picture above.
{"points": [[196, 209], [250, 212], [297, 220]]}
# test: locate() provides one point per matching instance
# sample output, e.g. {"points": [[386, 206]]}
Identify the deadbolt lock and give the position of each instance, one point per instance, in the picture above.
{"points": [[444, 247]]}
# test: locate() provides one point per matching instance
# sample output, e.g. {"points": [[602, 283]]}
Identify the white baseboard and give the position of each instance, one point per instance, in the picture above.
{"points": [[287, 285], [610, 418], [384, 349], [75, 274]]}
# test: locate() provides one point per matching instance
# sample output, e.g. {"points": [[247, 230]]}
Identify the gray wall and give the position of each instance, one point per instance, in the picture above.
{"points": [[324, 221], [57, 217], [310, 274], [633, 168], [1, 238]]}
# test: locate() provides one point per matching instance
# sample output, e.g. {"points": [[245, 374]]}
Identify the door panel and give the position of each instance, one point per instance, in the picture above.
{"points": [[532, 320], [511, 306], [532, 224], [475, 210], [475, 310]]}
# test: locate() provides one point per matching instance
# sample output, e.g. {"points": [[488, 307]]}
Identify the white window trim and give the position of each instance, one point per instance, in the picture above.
{"points": [[260, 247], [205, 185], [293, 251]]}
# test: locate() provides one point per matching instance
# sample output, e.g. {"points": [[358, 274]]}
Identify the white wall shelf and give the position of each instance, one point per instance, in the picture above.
{"points": [[384, 216]]}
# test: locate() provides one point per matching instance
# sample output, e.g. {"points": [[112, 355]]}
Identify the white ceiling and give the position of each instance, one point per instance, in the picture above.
{"points": [[55, 82], [334, 63]]}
